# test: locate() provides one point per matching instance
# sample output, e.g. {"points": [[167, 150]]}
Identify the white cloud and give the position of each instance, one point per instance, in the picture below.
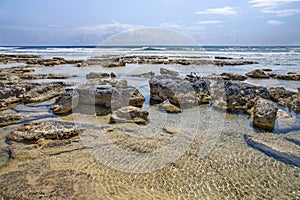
{"points": [[270, 3], [171, 25], [282, 13], [209, 22], [219, 11], [274, 22]]}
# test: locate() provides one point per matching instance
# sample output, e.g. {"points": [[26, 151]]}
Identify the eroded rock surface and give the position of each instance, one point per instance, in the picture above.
{"points": [[258, 73], [286, 98], [65, 103], [264, 114], [7, 119], [129, 114]]}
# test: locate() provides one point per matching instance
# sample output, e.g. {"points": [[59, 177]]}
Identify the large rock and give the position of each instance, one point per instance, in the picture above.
{"points": [[286, 98], [65, 103], [110, 97], [93, 75], [180, 92], [258, 73], [233, 95], [264, 114], [129, 114], [35, 132], [7, 119], [293, 76]]}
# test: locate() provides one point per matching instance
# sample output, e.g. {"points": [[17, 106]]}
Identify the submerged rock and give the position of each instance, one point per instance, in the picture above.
{"points": [[129, 114], [180, 92], [279, 147], [93, 75], [9, 119], [35, 132], [264, 114], [234, 95]]}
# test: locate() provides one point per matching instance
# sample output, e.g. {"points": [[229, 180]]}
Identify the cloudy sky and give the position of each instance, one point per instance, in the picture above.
{"points": [[209, 22]]}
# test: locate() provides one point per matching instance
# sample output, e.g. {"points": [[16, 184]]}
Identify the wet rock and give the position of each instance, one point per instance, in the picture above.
{"points": [[7, 119], [235, 77], [276, 146], [267, 70], [169, 72], [43, 92], [180, 92], [286, 98], [129, 114], [258, 73], [144, 75], [264, 114], [168, 107], [281, 114], [35, 132], [222, 58], [234, 95], [65, 103], [295, 76]]}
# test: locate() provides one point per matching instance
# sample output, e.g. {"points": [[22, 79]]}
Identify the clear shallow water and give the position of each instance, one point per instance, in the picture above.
{"points": [[231, 169]]}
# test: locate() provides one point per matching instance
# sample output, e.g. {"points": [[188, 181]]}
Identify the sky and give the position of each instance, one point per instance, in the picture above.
{"points": [[208, 22]]}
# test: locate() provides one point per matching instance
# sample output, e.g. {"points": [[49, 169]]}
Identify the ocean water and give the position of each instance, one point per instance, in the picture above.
{"points": [[208, 157]]}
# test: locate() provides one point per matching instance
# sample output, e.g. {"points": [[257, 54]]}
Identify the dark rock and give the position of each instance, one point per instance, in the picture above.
{"points": [[235, 77], [267, 70], [258, 73], [129, 114], [264, 114], [145, 75], [45, 130], [168, 72], [9, 119], [180, 92], [222, 58], [65, 103], [234, 95]]}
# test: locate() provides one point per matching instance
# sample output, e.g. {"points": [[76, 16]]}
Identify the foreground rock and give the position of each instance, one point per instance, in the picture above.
{"points": [[234, 95], [258, 73], [40, 132], [277, 146], [286, 98], [180, 92], [9, 119], [264, 114], [129, 114], [65, 103]]}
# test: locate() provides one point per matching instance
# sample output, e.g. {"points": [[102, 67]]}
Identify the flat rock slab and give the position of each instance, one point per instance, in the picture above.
{"points": [[34, 132], [277, 146], [7, 119]]}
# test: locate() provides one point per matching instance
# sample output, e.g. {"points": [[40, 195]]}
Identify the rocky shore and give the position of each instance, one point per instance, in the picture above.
{"points": [[106, 95]]}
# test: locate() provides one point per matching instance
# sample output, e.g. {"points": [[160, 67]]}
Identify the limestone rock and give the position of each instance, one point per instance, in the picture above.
{"points": [[264, 114], [168, 107], [129, 114], [65, 103], [286, 98], [293, 76], [9, 119], [235, 77], [34, 132]]}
